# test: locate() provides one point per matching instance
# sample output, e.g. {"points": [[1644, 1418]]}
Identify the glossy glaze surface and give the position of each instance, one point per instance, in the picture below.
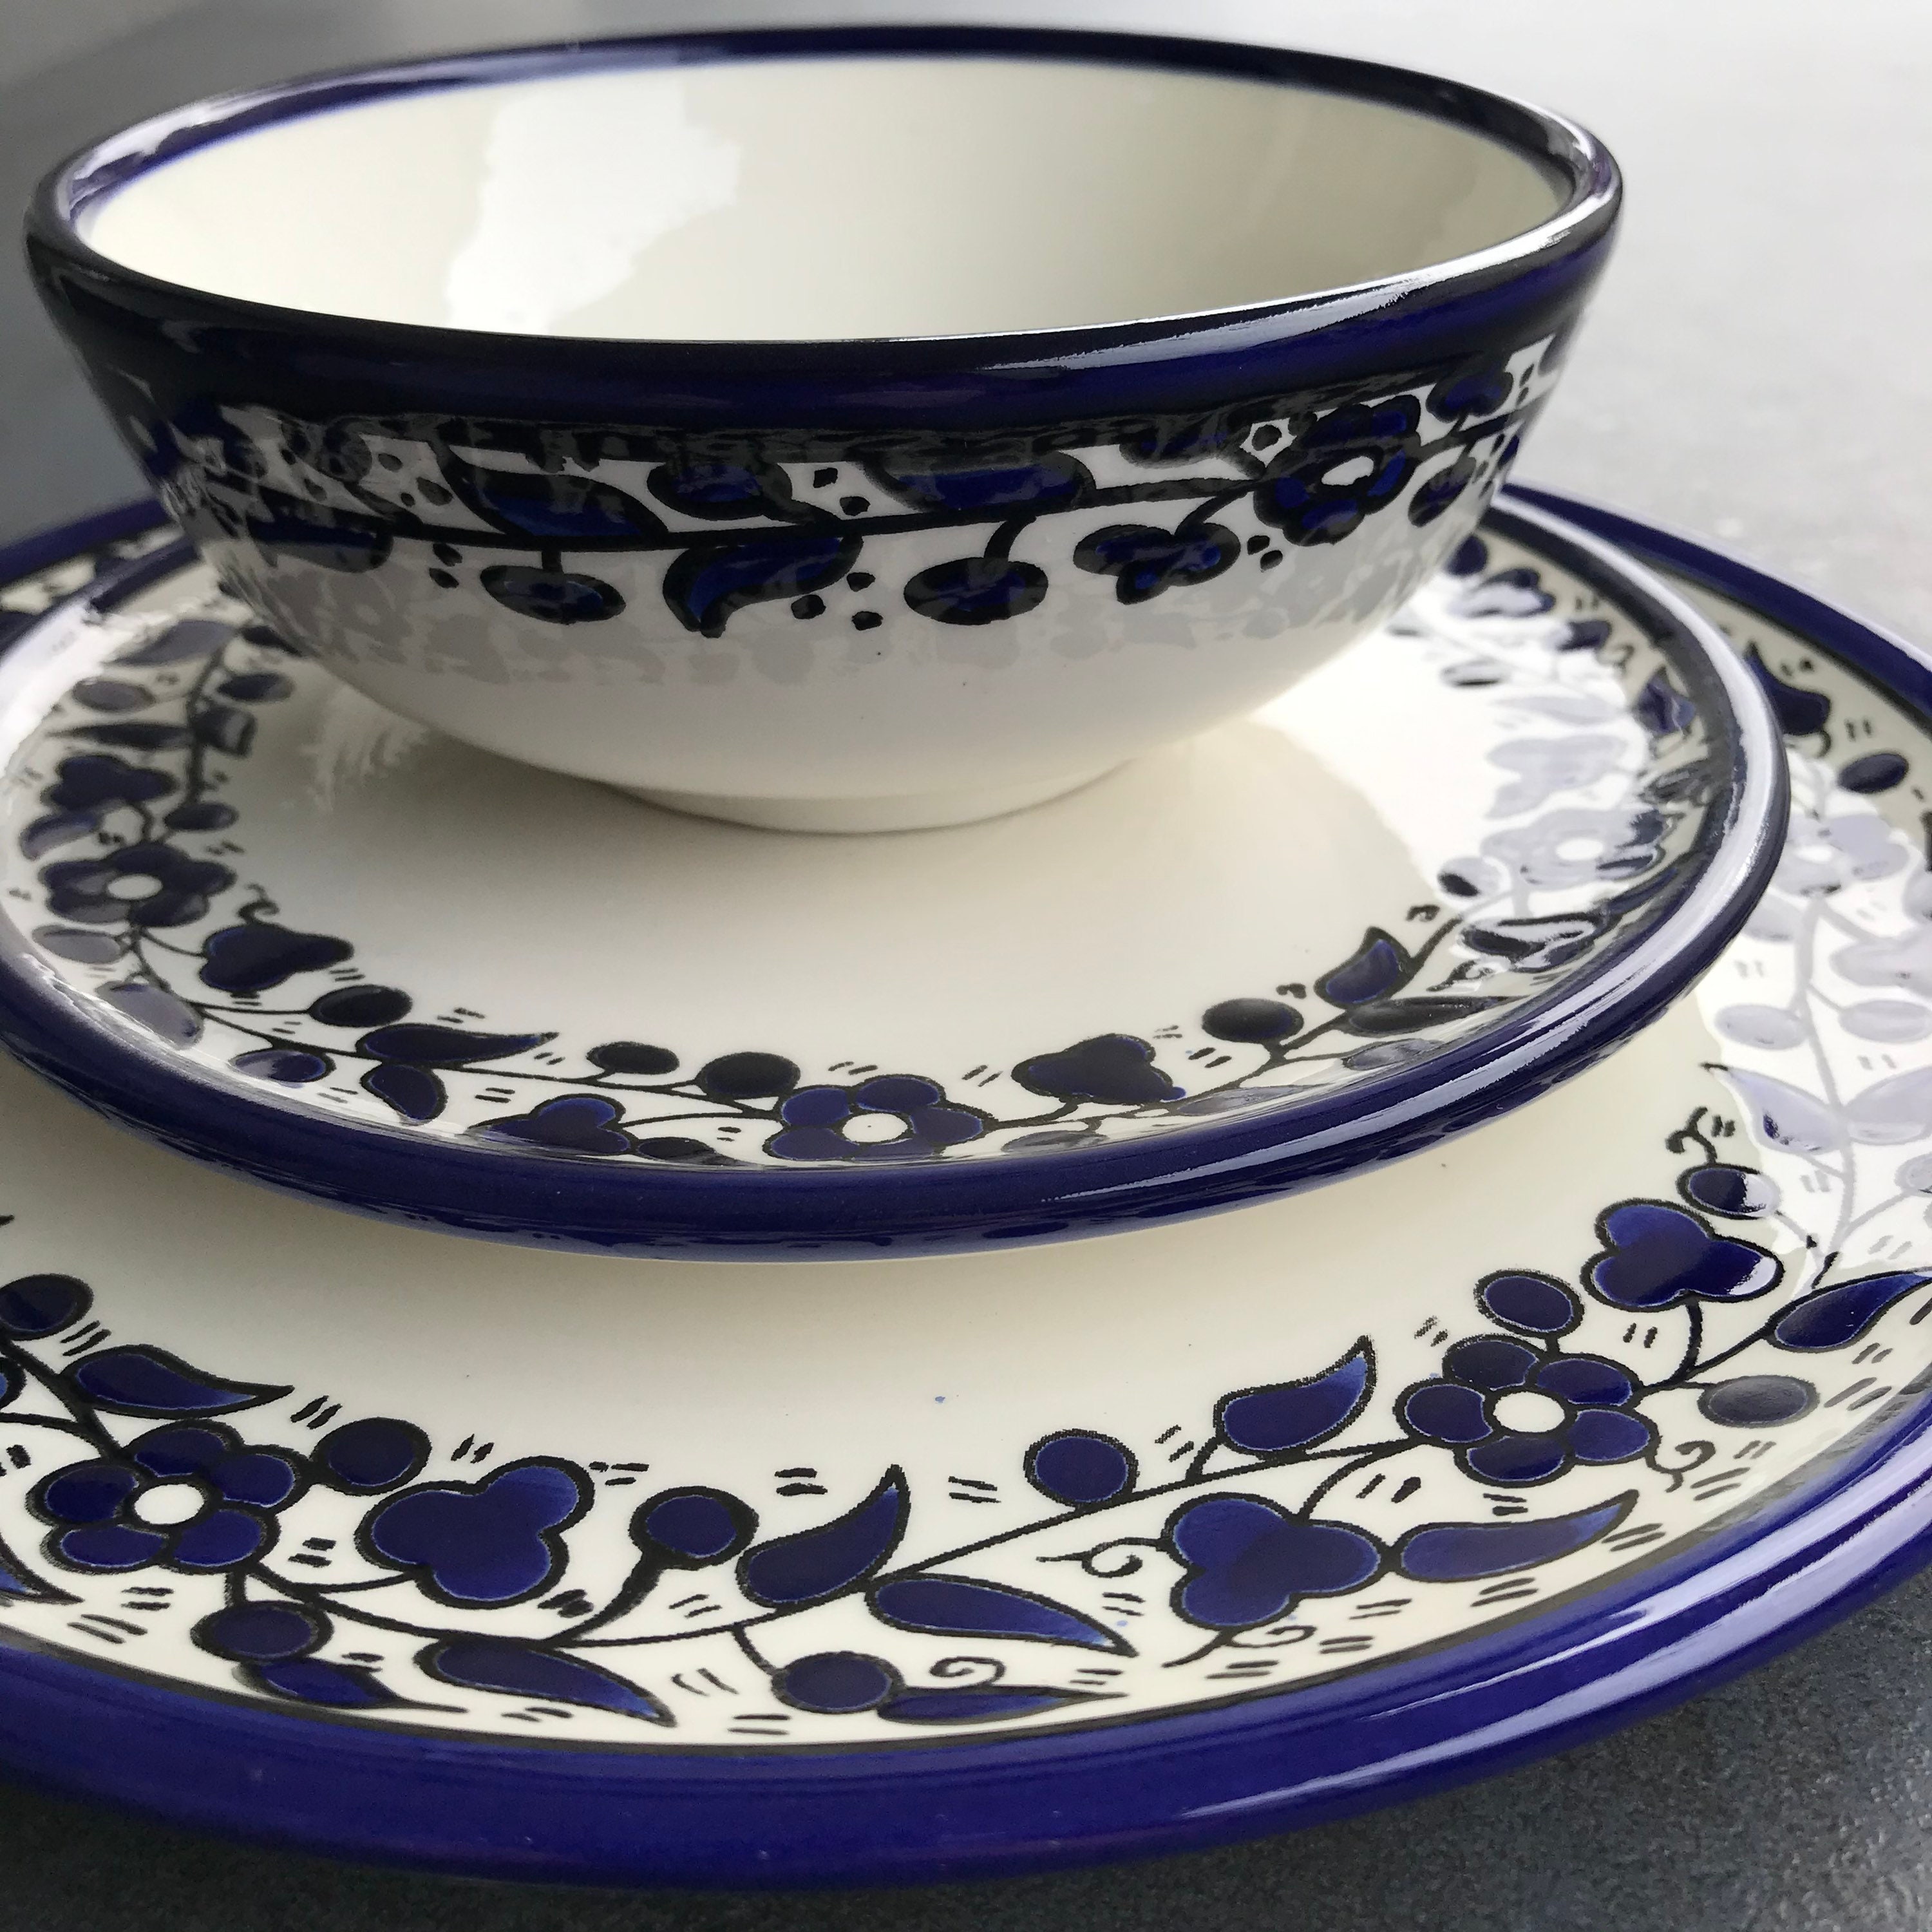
{"points": [[955, 195], [1422, 1469], [853, 582], [1477, 849]]}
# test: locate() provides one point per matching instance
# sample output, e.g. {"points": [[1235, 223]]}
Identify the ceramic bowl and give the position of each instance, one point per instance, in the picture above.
{"points": [[835, 429]]}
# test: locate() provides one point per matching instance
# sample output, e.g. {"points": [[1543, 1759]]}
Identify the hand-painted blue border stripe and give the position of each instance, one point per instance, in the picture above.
{"points": [[322, 366]]}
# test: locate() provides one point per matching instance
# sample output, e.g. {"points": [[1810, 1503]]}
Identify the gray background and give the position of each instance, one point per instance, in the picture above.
{"points": [[1759, 368]]}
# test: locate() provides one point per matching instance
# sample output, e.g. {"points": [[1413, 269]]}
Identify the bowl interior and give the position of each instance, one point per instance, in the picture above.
{"points": [[818, 197]]}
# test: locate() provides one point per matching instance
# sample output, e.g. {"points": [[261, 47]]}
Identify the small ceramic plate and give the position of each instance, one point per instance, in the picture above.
{"points": [[556, 1566], [251, 913]]}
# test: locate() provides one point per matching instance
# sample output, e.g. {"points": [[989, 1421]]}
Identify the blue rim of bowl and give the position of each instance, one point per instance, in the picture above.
{"points": [[1699, 1612], [831, 1212], [314, 361], [827, 1212]]}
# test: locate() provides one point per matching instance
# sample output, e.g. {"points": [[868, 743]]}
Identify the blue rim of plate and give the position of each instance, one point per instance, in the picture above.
{"points": [[828, 1212], [1555, 1677], [338, 365]]}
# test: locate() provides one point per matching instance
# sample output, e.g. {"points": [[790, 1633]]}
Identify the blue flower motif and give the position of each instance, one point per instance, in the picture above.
{"points": [[495, 1541], [190, 1495], [890, 1117], [146, 885], [1516, 1415], [1351, 464]]}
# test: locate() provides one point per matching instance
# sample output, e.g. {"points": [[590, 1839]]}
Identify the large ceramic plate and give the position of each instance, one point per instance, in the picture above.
{"points": [[407, 1547], [245, 909]]}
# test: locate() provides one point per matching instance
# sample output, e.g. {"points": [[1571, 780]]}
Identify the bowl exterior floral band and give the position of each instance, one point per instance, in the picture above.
{"points": [[527, 530]]}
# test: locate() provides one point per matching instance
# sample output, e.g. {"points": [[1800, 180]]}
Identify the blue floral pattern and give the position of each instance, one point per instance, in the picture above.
{"points": [[542, 518], [1610, 1387], [1581, 1408], [104, 1512], [133, 857]]}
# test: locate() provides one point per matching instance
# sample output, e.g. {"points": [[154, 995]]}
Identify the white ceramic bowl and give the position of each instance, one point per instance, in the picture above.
{"points": [[842, 429]]}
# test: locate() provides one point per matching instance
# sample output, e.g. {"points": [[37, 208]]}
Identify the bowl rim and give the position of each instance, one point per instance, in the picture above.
{"points": [[828, 1213], [1570, 157]]}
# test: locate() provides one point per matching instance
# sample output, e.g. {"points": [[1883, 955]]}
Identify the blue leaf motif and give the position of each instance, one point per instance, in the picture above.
{"points": [[1384, 1019], [710, 581], [73, 942], [818, 1563], [156, 1009], [419, 1045], [1452, 1552], [556, 507], [134, 734], [192, 637], [1269, 1421], [960, 1606], [552, 596], [1053, 482], [18, 1585], [1799, 712], [336, 1687], [978, 1705], [1838, 1315], [1377, 966], [724, 490], [1661, 708], [414, 1092], [522, 1670], [139, 1379], [1893, 1110], [55, 830], [1786, 1117]]}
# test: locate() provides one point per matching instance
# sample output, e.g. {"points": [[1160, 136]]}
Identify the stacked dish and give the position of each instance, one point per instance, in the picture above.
{"points": [[1131, 778]]}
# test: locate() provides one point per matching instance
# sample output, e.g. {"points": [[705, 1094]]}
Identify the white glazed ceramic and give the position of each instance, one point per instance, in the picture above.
{"points": [[561, 1567], [873, 428], [253, 913], [754, 200]]}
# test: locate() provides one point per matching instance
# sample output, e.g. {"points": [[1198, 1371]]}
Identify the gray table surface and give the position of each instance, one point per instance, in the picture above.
{"points": [[1759, 368]]}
